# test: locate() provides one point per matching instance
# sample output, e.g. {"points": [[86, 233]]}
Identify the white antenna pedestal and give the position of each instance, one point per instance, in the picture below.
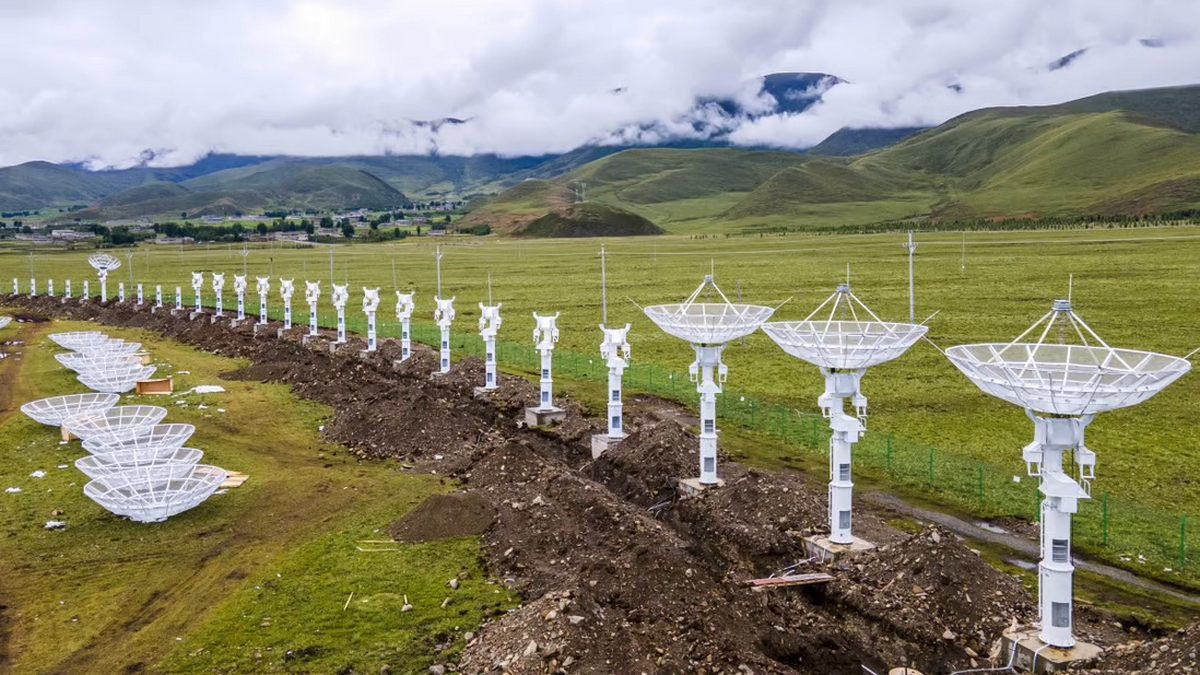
{"points": [[120, 290], [16, 287], [489, 325], [67, 291], [87, 293], [370, 306], [444, 316], [263, 286], [197, 285], [340, 297], [50, 288], [218, 283], [140, 300], [842, 343], [239, 289], [1062, 385], [33, 288], [614, 349], [312, 293], [708, 327], [157, 297], [287, 288], [178, 300], [545, 334], [404, 310]]}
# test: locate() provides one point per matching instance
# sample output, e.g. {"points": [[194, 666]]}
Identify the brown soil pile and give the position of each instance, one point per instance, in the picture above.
{"points": [[620, 574], [1177, 653], [456, 514]]}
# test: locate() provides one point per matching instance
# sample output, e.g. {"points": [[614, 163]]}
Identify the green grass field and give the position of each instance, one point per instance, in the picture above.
{"points": [[255, 580], [1134, 286]]}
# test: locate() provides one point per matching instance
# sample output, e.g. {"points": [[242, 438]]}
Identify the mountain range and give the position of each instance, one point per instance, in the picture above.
{"points": [[1119, 152]]}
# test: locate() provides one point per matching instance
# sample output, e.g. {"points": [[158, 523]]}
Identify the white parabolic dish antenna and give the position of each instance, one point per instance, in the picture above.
{"points": [[1062, 373], [81, 362], [5, 320], [708, 326], [849, 337], [103, 262], [112, 346], [77, 339], [843, 337], [176, 464], [157, 441], [1054, 378], [115, 379], [119, 422], [54, 410], [148, 496]]}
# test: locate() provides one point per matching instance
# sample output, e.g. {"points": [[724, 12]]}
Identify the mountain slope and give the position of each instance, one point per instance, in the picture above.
{"points": [[284, 187]]}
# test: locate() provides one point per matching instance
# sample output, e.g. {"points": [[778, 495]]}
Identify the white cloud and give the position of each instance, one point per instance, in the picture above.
{"points": [[104, 80]]}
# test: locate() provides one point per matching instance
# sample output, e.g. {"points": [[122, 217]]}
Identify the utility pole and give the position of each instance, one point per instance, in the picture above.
{"points": [[603, 289], [911, 247]]}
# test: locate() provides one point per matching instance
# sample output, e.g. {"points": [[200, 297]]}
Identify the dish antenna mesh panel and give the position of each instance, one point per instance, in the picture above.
{"points": [[81, 362], [708, 326], [152, 441], [116, 381], [119, 422], [146, 497], [77, 339], [843, 343], [54, 410], [4, 321], [112, 346], [174, 465], [1062, 386]]}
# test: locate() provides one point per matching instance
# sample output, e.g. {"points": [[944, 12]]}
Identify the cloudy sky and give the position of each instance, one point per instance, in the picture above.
{"points": [[103, 81]]}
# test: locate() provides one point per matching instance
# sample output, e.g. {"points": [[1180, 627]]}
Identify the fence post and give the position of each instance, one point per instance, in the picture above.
{"points": [[931, 466], [1104, 519], [1182, 542], [889, 452]]}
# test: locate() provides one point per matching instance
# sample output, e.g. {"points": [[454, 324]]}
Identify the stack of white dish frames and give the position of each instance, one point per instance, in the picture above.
{"points": [[102, 363], [139, 467]]}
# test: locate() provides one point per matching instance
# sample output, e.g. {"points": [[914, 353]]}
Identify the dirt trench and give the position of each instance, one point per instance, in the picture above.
{"points": [[619, 573]]}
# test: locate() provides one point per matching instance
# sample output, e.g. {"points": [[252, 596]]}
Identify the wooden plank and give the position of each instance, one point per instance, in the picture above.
{"points": [[790, 580], [234, 479]]}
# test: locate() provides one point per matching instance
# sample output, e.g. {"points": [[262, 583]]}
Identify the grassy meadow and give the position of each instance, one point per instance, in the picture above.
{"points": [[253, 580]]}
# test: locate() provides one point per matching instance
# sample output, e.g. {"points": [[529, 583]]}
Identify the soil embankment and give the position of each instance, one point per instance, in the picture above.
{"points": [[621, 574]]}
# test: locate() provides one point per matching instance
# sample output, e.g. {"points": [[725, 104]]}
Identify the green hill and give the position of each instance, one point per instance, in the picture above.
{"points": [[36, 185], [283, 187], [590, 220], [847, 142]]}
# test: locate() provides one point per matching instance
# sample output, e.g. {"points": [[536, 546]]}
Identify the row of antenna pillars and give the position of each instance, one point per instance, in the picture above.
{"points": [[1111, 523]]}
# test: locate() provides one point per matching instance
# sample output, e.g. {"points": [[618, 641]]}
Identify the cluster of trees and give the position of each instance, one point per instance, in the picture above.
{"points": [[233, 232], [17, 214]]}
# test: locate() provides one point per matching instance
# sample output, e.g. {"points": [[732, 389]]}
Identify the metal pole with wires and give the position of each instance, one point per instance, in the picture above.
{"points": [[911, 247]]}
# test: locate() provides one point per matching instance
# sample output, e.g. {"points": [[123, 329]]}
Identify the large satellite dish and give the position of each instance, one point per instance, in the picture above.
{"points": [[119, 422], [1062, 373], [104, 263], [80, 362], [116, 379], [708, 326], [157, 441], [843, 337], [148, 496], [54, 410], [77, 339], [176, 465]]}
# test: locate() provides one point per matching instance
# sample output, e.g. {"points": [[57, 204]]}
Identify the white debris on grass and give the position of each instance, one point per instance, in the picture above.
{"points": [[12, 489], [63, 466], [220, 410], [38, 474], [205, 389], [55, 525]]}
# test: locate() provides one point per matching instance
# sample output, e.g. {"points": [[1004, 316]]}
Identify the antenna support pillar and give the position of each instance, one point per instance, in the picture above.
{"points": [[708, 373], [839, 386], [1061, 495]]}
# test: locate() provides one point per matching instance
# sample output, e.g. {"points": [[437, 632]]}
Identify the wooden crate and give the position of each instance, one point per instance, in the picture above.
{"points": [[154, 387]]}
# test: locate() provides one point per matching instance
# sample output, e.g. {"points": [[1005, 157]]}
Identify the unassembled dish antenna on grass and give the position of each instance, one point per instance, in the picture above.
{"points": [[116, 377], [708, 327], [104, 263], [4, 321], [843, 337], [56, 409], [1062, 373], [150, 495], [145, 443], [113, 424], [77, 339]]}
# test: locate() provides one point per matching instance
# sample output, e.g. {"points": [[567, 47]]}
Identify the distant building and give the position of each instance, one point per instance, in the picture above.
{"points": [[299, 235], [212, 219], [70, 235], [175, 240]]}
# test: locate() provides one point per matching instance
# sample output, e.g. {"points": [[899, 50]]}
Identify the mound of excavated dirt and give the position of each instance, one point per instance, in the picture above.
{"points": [[456, 514], [613, 586], [1177, 653]]}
